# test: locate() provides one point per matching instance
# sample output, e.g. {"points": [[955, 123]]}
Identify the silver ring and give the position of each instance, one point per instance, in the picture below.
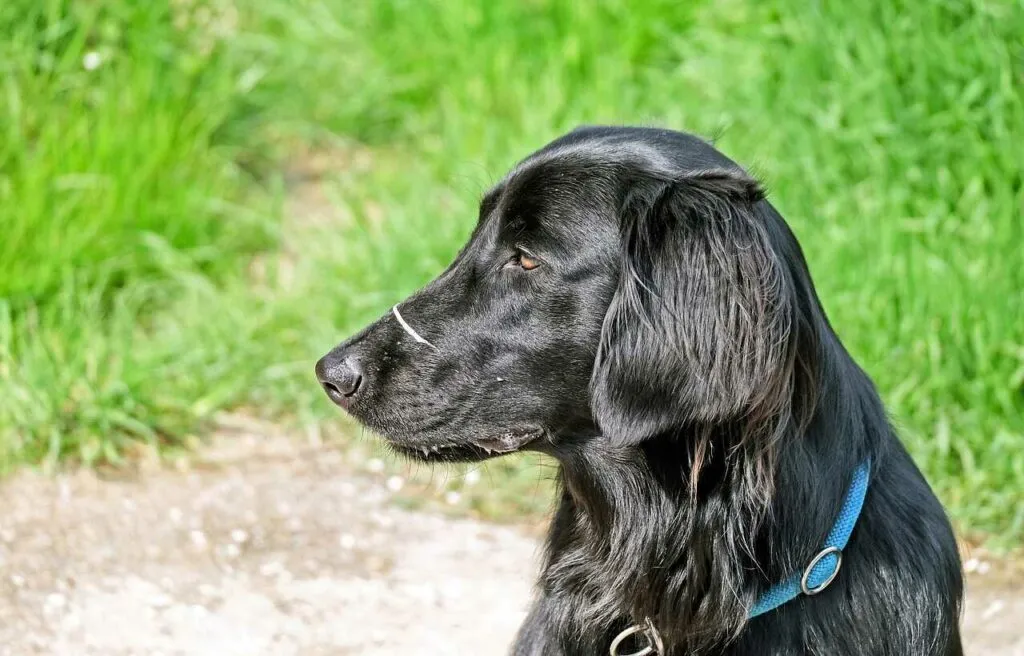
{"points": [[827, 551], [654, 644]]}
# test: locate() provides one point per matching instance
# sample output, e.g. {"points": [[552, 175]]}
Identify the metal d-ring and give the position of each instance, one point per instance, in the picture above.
{"points": [[654, 646], [827, 551]]}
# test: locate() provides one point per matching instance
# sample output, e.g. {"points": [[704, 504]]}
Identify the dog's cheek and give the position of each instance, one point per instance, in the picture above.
{"points": [[441, 375]]}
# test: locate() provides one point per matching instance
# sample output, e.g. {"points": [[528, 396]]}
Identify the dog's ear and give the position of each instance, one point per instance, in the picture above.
{"points": [[699, 328]]}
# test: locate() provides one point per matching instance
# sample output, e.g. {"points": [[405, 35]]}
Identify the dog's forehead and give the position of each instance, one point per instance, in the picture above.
{"points": [[568, 192], [587, 166], [554, 186], [556, 200]]}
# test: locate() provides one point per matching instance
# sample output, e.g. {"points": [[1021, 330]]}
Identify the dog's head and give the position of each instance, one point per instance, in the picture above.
{"points": [[621, 282]]}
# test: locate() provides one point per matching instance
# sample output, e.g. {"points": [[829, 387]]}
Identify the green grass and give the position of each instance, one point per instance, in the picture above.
{"points": [[115, 200], [133, 196]]}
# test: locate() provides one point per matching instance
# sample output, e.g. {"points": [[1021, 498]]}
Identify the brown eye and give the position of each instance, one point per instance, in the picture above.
{"points": [[524, 261], [528, 263]]}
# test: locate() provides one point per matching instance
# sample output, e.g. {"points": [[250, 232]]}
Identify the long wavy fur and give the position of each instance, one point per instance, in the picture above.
{"points": [[731, 420]]}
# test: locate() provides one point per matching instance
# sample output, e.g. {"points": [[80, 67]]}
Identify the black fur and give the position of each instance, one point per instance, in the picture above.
{"points": [[671, 353]]}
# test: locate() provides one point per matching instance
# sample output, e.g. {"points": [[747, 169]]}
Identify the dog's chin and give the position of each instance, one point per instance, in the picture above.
{"points": [[470, 450]]}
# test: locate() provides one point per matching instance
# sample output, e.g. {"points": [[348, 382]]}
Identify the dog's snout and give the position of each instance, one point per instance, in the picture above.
{"points": [[341, 376]]}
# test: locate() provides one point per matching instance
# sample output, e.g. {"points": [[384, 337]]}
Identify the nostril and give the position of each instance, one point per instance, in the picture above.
{"points": [[352, 384], [331, 389]]}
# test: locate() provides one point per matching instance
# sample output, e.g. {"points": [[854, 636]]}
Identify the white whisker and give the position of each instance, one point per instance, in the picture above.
{"points": [[409, 329]]}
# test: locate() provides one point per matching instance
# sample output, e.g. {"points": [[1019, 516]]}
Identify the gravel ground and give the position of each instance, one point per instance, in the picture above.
{"points": [[271, 547]]}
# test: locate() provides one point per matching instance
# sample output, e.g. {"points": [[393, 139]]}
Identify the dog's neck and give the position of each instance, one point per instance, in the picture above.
{"points": [[636, 536], [628, 543]]}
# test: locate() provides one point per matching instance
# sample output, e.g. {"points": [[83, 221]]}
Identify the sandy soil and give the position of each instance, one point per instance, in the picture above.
{"points": [[272, 547]]}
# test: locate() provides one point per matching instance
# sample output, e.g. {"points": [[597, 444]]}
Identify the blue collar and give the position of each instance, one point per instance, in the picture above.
{"points": [[824, 567], [817, 576]]}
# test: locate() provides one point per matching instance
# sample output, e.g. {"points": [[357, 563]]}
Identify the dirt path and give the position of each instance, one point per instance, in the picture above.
{"points": [[274, 548]]}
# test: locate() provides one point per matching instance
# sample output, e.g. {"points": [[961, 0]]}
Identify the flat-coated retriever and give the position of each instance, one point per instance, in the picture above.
{"points": [[630, 304]]}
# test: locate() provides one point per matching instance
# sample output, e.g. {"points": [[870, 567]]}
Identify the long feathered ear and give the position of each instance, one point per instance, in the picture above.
{"points": [[699, 329]]}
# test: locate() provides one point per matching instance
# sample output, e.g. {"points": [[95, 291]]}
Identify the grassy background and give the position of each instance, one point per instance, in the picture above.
{"points": [[164, 253]]}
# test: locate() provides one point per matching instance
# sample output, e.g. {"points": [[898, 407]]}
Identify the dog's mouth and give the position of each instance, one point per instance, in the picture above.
{"points": [[474, 450]]}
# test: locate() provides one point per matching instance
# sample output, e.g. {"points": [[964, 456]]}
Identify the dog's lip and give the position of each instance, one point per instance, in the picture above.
{"points": [[476, 448], [508, 441]]}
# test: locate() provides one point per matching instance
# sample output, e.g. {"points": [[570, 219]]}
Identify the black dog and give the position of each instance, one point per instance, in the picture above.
{"points": [[630, 304]]}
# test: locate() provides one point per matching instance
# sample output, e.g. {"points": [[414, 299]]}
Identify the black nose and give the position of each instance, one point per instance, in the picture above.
{"points": [[341, 377]]}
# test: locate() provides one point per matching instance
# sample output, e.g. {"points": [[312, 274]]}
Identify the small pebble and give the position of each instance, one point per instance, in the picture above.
{"points": [[347, 541], [271, 569], [452, 497], [198, 538], [239, 535], [395, 483], [375, 465], [472, 477], [55, 600]]}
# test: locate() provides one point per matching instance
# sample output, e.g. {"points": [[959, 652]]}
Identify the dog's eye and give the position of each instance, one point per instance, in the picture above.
{"points": [[524, 261]]}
